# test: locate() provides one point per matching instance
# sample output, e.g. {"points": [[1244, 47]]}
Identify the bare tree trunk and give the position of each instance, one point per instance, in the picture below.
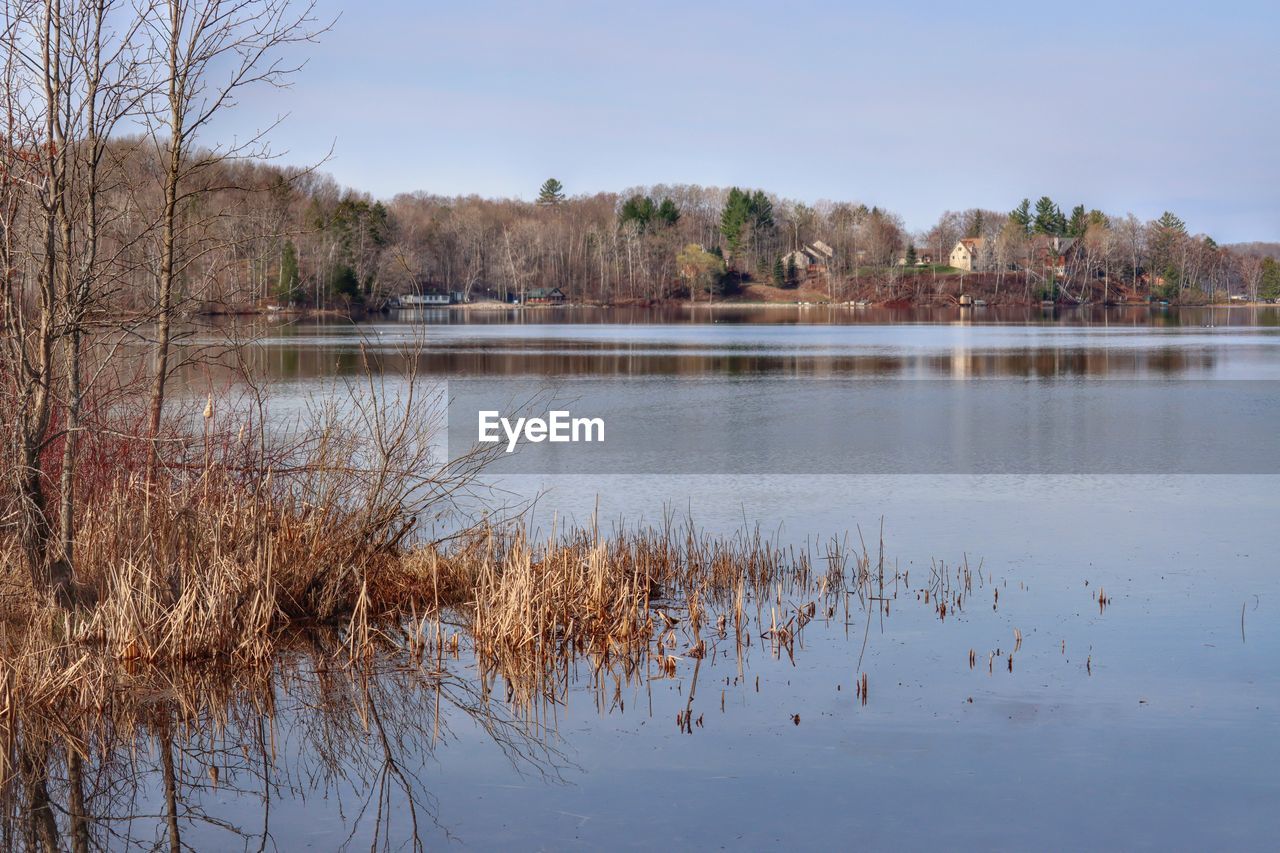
{"points": [[38, 533], [170, 790], [35, 773], [75, 803], [168, 234]]}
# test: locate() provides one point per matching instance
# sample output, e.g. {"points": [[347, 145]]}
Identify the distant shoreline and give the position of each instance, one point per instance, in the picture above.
{"points": [[484, 307]]}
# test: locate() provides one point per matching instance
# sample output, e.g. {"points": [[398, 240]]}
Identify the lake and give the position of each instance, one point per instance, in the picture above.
{"points": [[1108, 476]]}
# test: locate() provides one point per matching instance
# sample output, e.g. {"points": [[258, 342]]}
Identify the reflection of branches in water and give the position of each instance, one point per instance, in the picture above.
{"points": [[175, 761]]}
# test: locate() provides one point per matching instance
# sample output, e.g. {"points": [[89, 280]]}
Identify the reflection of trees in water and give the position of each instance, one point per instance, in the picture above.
{"points": [[176, 760], [1070, 362], [620, 359], [328, 353]]}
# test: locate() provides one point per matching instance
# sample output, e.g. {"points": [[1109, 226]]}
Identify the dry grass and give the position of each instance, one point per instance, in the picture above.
{"points": [[216, 573]]}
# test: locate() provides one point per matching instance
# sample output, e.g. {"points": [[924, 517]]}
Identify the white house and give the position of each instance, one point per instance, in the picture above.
{"points": [[965, 255], [431, 298]]}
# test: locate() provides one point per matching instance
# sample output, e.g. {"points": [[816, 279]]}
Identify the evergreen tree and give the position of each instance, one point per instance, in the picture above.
{"points": [[912, 258], [1166, 233], [287, 283], [1079, 222], [668, 213], [793, 273], [639, 209], [760, 210], [1021, 216], [552, 192], [779, 273], [1165, 239], [344, 283], [1269, 284], [1049, 219], [977, 223], [743, 209], [733, 218], [356, 223], [362, 230], [1171, 224]]}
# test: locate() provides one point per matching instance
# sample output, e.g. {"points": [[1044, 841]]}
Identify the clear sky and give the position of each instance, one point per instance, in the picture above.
{"points": [[916, 106]]}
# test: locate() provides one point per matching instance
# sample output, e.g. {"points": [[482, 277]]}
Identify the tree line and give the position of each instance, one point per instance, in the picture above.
{"points": [[296, 236]]}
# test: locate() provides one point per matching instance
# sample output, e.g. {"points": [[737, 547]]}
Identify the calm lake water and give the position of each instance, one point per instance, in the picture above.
{"points": [[1150, 723]]}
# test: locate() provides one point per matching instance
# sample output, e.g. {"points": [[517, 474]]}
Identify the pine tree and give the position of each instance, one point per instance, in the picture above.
{"points": [[1079, 222], [1269, 285], [288, 280], [668, 213], [912, 258], [345, 283], [1172, 224], [552, 192], [760, 210], [1049, 219], [793, 272], [737, 210], [779, 273], [1021, 216], [1165, 237], [977, 223], [638, 209]]}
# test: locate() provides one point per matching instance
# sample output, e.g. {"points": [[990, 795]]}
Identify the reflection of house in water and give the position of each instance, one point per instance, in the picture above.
{"points": [[962, 358]]}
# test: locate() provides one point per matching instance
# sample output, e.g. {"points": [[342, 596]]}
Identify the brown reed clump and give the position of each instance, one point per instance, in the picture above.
{"points": [[209, 572], [532, 607], [215, 568]]}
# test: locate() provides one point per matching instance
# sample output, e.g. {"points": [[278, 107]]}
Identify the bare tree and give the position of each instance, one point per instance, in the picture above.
{"points": [[208, 53], [70, 79]]}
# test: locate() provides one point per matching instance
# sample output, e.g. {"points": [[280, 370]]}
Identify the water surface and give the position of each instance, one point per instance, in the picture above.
{"points": [[1153, 722]]}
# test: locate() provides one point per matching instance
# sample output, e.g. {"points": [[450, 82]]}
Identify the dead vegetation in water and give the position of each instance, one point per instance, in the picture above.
{"points": [[216, 574]]}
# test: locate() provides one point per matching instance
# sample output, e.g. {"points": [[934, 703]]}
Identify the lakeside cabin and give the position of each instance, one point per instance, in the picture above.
{"points": [[429, 300], [542, 296], [810, 259]]}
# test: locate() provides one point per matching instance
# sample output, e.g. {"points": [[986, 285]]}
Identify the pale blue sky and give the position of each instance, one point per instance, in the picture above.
{"points": [[916, 106]]}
